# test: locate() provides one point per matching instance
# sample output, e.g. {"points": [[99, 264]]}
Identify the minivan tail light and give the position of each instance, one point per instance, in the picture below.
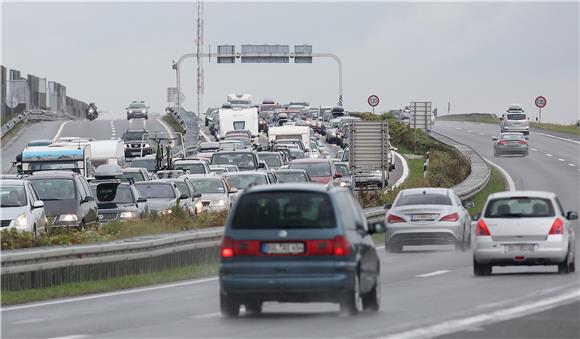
{"points": [[341, 246], [232, 248], [392, 219], [557, 227], [227, 247], [481, 229], [450, 217], [320, 247]]}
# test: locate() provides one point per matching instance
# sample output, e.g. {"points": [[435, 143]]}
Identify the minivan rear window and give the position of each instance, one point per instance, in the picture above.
{"points": [[283, 210]]}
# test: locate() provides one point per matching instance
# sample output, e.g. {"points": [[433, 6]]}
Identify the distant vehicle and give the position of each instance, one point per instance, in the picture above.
{"points": [[57, 157], [162, 196], [245, 160], [21, 207], [320, 170], [510, 143], [136, 143], [68, 199], [216, 193], [236, 119], [146, 162], [309, 239], [300, 134], [515, 120], [292, 176], [272, 159], [192, 166], [345, 179], [169, 174], [136, 174], [107, 152], [206, 149], [137, 109], [192, 205], [523, 228], [427, 216], [245, 179], [240, 100], [91, 112]]}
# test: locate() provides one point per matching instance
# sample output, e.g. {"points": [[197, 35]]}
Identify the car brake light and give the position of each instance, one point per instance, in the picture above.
{"points": [[450, 217], [320, 247], [341, 246], [523, 142], [227, 248], [557, 227], [503, 142], [392, 219], [231, 248], [481, 229]]}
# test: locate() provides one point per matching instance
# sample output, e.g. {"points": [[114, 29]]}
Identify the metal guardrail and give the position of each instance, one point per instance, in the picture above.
{"points": [[7, 127]]}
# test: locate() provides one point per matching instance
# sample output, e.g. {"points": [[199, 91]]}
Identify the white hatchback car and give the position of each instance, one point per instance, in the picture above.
{"points": [[523, 228], [20, 207]]}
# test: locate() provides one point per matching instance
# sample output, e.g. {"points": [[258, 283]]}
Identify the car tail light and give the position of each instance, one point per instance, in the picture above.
{"points": [[557, 227], [320, 247], [523, 142], [341, 246], [392, 219], [450, 217], [227, 247], [233, 248], [503, 142], [481, 229]]}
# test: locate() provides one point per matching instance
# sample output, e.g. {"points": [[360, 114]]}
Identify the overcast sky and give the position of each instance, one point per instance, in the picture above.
{"points": [[479, 56]]}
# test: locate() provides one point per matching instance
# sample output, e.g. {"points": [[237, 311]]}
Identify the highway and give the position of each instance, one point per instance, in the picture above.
{"points": [[426, 292]]}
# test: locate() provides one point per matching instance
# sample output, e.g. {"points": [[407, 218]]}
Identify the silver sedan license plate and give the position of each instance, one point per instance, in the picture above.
{"points": [[283, 248], [423, 217], [519, 248]]}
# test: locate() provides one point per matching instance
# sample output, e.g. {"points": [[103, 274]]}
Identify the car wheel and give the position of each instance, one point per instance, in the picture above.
{"points": [[564, 267], [254, 307], [147, 117], [128, 118], [351, 303], [460, 245], [372, 300], [572, 267], [229, 307], [481, 269], [467, 238], [526, 154]]}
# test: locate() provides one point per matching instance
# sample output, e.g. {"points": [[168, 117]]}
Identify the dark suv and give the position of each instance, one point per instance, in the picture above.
{"points": [[134, 140], [298, 243], [68, 199], [137, 110]]}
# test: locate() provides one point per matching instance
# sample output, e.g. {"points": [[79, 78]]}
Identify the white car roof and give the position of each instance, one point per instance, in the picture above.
{"points": [[428, 190]]}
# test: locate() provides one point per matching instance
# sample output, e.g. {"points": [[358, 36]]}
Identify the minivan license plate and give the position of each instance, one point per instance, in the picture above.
{"points": [[283, 248]]}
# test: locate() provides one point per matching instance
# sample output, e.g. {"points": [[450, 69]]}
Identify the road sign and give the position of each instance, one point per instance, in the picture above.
{"points": [[12, 101], [541, 102], [373, 100]]}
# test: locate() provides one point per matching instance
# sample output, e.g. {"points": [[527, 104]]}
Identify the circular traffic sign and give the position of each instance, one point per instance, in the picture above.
{"points": [[373, 100], [541, 102]]}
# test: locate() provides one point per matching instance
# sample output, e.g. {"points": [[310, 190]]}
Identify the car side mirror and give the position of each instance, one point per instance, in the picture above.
{"points": [[183, 196], [572, 215], [141, 199], [388, 206], [469, 204], [377, 227], [38, 204], [196, 195], [494, 138], [526, 137], [88, 198], [476, 217], [261, 165]]}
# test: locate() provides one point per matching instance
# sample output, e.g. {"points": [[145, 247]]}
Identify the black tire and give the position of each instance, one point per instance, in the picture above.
{"points": [[128, 118], [572, 267], [481, 269], [146, 116], [372, 301], [351, 302], [460, 245], [229, 307], [254, 307], [564, 267], [34, 231]]}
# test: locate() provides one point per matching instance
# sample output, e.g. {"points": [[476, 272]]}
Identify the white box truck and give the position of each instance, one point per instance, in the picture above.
{"points": [[108, 152], [291, 132]]}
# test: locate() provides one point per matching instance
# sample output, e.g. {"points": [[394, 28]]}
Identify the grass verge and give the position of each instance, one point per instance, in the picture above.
{"points": [[173, 123], [570, 129], [13, 131], [486, 118], [108, 285], [495, 184]]}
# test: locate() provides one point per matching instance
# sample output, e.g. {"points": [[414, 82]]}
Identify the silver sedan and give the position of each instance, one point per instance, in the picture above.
{"points": [[427, 216], [510, 143], [523, 228]]}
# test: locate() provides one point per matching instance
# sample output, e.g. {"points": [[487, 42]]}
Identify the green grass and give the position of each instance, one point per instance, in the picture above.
{"points": [[570, 129], [173, 123], [486, 118], [495, 184], [101, 286]]}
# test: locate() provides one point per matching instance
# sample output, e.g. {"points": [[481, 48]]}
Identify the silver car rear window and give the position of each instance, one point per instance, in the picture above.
{"points": [[423, 199], [519, 207]]}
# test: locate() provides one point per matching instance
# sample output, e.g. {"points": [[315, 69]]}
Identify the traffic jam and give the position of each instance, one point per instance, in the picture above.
{"points": [[284, 174]]}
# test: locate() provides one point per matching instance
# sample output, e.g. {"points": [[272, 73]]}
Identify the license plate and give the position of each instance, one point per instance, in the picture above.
{"points": [[283, 248], [423, 217], [519, 248]]}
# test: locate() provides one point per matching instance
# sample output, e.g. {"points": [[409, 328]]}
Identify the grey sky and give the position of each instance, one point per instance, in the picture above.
{"points": [[480, 56]]}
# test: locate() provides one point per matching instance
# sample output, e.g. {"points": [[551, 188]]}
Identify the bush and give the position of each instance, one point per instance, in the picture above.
{"points": [[447, 169]]}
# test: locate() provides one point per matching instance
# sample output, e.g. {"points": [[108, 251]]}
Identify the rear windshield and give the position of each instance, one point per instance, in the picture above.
{"points": [[423, 199], [514, 136], [113, 193], [517, 207], [272, 160], [517, 116], [286, 177], [191, 168], [314, 169], [287, 210], [136, 176], [208, 186], [156, 190], [244, 161], [245, 181]]}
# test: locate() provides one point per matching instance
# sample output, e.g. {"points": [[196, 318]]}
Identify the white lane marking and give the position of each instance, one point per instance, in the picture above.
{"points": [[560, 159], [204, 135], [29, 321], [57, 135], [469, 131], [458, 128], [166, 128], [571, 165], [113, 138], [110, 294], [481, 133], [506, 175], [548, 155], [453, 326], [405, 171], [74, 336], [534, 149], [208, 315], [555, 137], [432, 274]]}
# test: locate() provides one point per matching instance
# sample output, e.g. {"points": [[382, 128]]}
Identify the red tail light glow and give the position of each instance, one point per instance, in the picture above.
{"points": [[503, 142], [392, 219], [231, 247], [227, 248], [341, 246], [481, 229], [450, 217], [523, 142], [557, 227]]}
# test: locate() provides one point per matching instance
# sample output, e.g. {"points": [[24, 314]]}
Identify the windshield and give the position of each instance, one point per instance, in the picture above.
{"points": [[287, 210], [272, 160], [191, 168], [314, 169], [46, 166], [148, 164], [156, 190], [247, 180], [286, 177], [208, 186], [113, 193], [423, 199], [342, 169], [12, 196], [519, 207], [516, 116], [182, 187], [244, 161], [136, 176], [135, 136], [54, 189], [137, 106]]}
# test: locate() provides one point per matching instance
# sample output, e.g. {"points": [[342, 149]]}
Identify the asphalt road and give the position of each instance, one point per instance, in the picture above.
{"points": [[425, 292]]}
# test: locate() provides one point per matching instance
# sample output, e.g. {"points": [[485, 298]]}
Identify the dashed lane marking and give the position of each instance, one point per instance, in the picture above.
{"points": [[571, 165], [548, 155], [560, 159], [534, 149], [432, 274]]}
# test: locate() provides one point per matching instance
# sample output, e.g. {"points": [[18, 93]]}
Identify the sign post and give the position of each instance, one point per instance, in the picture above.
{"points": [[540, 102], [373, 100]]}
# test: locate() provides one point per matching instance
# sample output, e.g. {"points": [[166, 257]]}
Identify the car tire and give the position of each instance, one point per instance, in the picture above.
{"points": [[146, 116], [526, 154], [481, 269], [34, 230], [460, 245], [572, 267], [372, 301], [564, 267], [128, 118], [254, 307], [351, 302], [229, 307]]}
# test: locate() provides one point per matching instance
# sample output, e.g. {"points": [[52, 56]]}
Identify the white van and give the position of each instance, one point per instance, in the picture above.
{"points": [[108, 152], [236, 119], [515, 120]]}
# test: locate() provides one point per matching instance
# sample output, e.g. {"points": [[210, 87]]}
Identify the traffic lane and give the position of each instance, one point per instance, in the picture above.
{"points": [[546, 324], [32, 131], [98, 129], [152, 125]]}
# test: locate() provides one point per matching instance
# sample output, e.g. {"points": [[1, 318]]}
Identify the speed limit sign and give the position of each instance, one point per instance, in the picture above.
{"points": [[541, 102], [373, 100]]}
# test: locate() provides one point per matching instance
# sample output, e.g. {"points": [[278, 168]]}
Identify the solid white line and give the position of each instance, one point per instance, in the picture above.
{"points": [[110, 294], [453, 326], [57, 135], [535, 150], [548, 155], [560, 159], [458, 128], [470, 131], [203, 135], [481, 133], [405, 171], [28, 321], [555, 137], [74, 336], [506, 175], [208, 315], [426, 275], [571, 165]]}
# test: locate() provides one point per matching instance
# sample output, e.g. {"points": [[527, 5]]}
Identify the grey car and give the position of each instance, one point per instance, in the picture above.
{"points": [[21, 207], [524, 228], [510, 143], [292, 176], [427, 216], [162, 195], [192, 204], [216, 193], [118, 201]]}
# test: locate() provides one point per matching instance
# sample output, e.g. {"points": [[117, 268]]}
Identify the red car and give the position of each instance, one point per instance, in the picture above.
{"points": [[320, 170]]}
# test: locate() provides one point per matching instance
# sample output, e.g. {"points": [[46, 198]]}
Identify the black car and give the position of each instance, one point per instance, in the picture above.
{"points": [[68, 199], [298, 243], [118, 201], [136, 143]]}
